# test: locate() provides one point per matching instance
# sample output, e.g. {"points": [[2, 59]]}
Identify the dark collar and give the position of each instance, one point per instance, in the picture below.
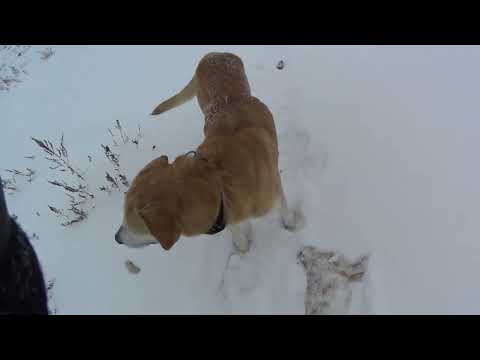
{"points": [[219, 224]]}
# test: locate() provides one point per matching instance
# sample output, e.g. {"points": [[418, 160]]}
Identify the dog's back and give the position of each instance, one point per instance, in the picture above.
{"points": [[223, 93], [221, 79]]}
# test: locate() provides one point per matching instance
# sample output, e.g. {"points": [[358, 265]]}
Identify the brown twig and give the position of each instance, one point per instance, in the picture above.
{"points": [[123, 134], [124, 180], [111, 180], [115, 161], [138, 137], [79, 189], [113, 137], [28, 174], [58, 156], [112, 157]]}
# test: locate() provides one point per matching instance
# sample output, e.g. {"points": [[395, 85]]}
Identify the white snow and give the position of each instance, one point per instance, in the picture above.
{"points": [[379, 148]]}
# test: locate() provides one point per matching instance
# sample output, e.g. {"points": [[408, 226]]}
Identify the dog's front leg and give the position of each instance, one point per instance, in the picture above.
{"points": [[241, 238], [289, 219]]}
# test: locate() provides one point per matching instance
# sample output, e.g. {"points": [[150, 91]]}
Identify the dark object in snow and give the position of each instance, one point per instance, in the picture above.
{"points": [[131, 267], [280, 65], [22, 286], [51, 283], [46, 53]]}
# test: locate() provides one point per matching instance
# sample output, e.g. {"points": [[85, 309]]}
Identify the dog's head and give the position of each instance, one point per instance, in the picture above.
{"points": [[166, 201]]}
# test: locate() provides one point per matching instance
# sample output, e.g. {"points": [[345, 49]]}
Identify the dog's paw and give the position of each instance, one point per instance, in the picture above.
{"points": [[293, 220], [241, 244], [242, 241]]}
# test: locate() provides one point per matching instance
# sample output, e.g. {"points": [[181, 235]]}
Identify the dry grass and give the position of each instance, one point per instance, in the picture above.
{"points": [[28, 174], [58, 156], [10, 186], [12, 65], [78, 194], [46, 53], [50, 293], [77, 189], [114, 180], [13, 62]]}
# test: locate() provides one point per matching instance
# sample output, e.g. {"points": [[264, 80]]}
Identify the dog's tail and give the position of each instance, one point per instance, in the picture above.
{"points": [[181, 98]]}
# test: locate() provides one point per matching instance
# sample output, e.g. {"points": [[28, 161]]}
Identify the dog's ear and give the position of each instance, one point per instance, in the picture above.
{"points": [[163, 160], [162, 226]]}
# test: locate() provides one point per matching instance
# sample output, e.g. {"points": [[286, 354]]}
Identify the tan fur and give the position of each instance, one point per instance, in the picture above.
{"points": [[182, 97], [238, 160]]}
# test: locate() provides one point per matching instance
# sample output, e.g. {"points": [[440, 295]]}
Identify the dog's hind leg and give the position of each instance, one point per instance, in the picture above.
{"points": [[241, 238]]}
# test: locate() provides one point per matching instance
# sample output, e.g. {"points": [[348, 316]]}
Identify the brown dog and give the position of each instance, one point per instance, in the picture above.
{"points": [[231, 177]]}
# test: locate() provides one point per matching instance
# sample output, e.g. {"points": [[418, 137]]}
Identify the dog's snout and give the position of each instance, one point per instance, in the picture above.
{"points": [[117, 237]]}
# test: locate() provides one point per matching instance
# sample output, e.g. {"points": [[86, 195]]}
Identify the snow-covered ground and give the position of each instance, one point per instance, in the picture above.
{"points": [[378, 145]]}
